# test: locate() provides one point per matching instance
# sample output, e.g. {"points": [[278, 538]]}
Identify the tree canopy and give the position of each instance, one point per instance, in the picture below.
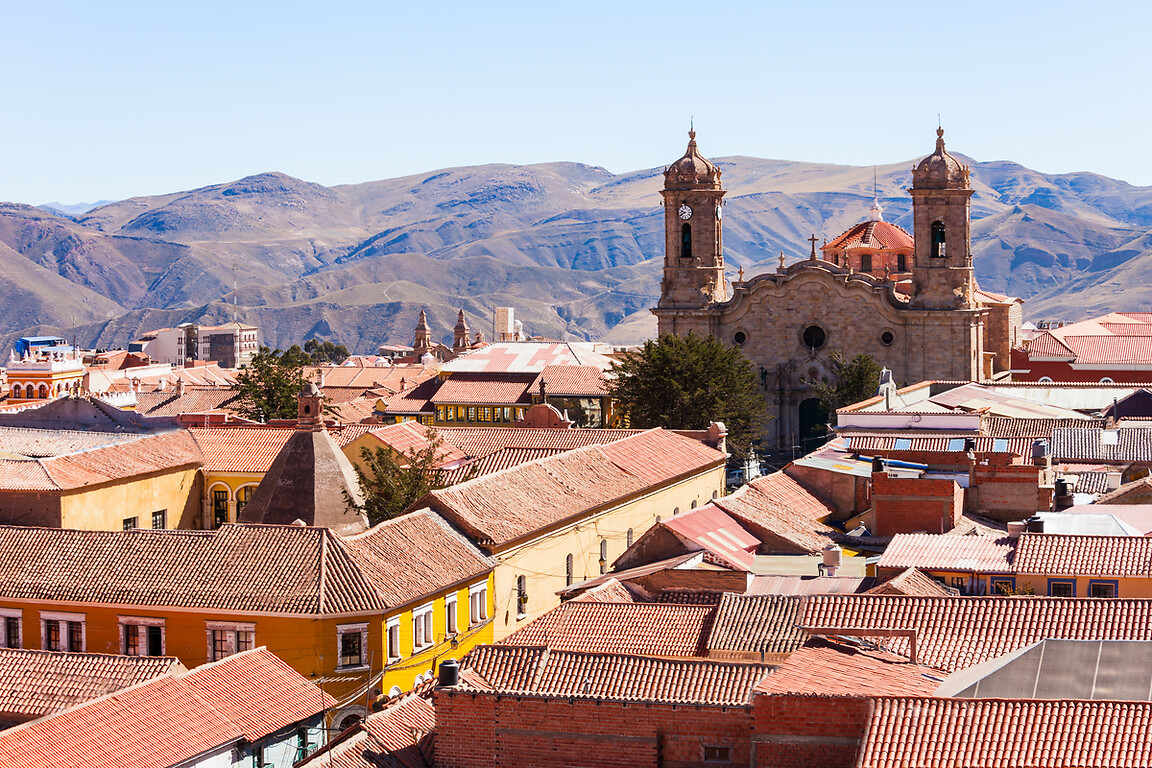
{"points": [[269, 385], [391, 481], [687, 382], [316, 352], [855, 380]]}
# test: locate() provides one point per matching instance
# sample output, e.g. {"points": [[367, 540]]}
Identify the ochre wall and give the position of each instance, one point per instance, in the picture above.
{"points": [[104, 507]]}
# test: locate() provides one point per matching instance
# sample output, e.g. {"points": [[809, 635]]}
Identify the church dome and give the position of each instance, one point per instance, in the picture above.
{"points": [[940, 169], [693, 170], [874, 234]]}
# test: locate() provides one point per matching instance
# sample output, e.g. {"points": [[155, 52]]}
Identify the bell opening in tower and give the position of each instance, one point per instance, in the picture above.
{"points": [[686, 241], [938, 251]]}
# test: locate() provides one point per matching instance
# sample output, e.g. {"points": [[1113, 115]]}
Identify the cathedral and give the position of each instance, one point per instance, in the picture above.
{"points": [[909, 301]]}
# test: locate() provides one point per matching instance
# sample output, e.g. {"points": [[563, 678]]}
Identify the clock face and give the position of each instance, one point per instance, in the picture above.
{"points": [[685, 212], [719, 212]]}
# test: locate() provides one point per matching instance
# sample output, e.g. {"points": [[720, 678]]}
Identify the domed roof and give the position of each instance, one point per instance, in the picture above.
{"points": [[693, 170], [878, 235], [940, 169]]}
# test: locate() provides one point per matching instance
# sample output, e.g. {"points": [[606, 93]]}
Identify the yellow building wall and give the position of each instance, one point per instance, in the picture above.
{"points": [[403, 672], [542, 562], [1125, 586], [105, 507], [307, 644], [233, 483]]}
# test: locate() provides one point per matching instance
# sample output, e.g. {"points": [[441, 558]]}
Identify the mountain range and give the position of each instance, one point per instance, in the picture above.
{"points": [[575, 249]]}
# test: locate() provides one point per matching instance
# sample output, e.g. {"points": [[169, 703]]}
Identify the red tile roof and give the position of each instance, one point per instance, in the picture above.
{"points": [[364, 377], [251, 448], [912, 582], [648, 629], [571, 381], [46, 443], [880, 235], [610, 591], [413, 400], [168, 720], [243, 568], [1020, 446], [1010, 426], [104, 464], [412, 436], [932, 552], [782, 513], [956, 632], [37, 683], [527, 357], [194, 399], [403, 732], [710, 529], [487, 388], [992, 733], [749, 624], [617, 677], [482, 441], [504, 506], [416, 555], [1058, 555], [840, 668]]}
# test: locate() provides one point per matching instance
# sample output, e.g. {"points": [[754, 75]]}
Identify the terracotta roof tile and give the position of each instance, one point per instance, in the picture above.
{"points": [[168, 720], [415, 555], [503, 506], [571, 381], [926, 551], [709, 528], [193, 400], [240, 449], [911, 582], [527, 357], [1139, 487], [482, 441], [37, 683], [1010, 426], [403, 731], [491, 388], [757, 624], [357, 377], [413, 400], [991, 733], [880, 235], [494, 462], [611, 591], [648, 629], [840, 668], [281, 569], [957, 632], [1130, 444], [619, 677], [1020, 446], [46, 443], [1054, 554], [782, 513]]}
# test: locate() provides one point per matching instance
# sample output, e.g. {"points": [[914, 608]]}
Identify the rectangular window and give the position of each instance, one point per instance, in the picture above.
{"points": [[11, 627], [478, 603], [130, 523], [1102, 589], [160, 519], [140, 636], [717, 754], [393, 639], [423, 634], [228, 637], [219, 508], [450, 614], [865, 262], [902, 444], [471, 413], [901, 262], [1061, 588], [1003, 586], [955, 444], [440, 413], [62, 631], [1000, 445], [521, 595], [352, 640]]}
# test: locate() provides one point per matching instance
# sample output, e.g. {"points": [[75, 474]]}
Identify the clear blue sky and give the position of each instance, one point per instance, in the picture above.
{"points": [[111, 100]]}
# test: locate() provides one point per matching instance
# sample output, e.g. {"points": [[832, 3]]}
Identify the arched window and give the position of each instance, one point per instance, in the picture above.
{"points": [[243, 496], [521, 595], [938, 251], [1107, 380], [17, 391], [865, 262], [629, 537], [686, 241], [43, 392], [693, 503], [568, 571], [1045, 380]]}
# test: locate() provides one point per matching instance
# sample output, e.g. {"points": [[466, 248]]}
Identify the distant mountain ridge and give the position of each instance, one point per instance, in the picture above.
{"points": [[576, 249]]}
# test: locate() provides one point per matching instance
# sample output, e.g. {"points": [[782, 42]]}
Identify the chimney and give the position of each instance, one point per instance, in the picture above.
{"points": [[449, 672], [1062, 498], [1035, 524], [1015, 528], [833, 557]]}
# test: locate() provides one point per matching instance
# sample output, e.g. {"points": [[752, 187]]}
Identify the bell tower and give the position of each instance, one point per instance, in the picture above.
{"points": [[942, 268], [693, 243]]}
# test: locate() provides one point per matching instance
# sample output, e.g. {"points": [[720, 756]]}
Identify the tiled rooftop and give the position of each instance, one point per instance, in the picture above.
{"points": [[956, 632], [1125, 444], [911, 582], [881, 235], [37, 683], [194, 399], [571, 381], [757, 624], [1009, 426], [926, 551], [708, 527], [527, 357], [841, 668], [504, 506], [487, 388], [45, 443], [647, 629], [401, 734], [1057, 555], [169, 720], [782, 513], [997, 733], [619, 677], [279, 569]]}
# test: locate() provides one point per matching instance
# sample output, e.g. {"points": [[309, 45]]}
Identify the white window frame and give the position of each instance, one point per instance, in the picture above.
{"points": [[423, 627], [12, 613], [234, 630], [141, 639], [392, 624], [451, 615], [344, 629], [478, 598], [64, 619]]}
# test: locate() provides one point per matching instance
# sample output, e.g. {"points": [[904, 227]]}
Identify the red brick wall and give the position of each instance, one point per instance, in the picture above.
{"points": [[910, 505], [723, 581], [808, 731], [483, 729], [1008, 493]]}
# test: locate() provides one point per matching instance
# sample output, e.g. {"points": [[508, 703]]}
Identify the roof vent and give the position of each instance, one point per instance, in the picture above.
{"points": [[1035, 524], [1015, 528]]}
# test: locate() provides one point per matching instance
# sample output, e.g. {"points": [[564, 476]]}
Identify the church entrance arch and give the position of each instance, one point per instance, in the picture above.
{"points": [[813, 424]]}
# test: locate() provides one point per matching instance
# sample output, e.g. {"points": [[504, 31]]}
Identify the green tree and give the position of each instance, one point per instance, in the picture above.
{"points": [[687, 382], [855, 380], [269, 385], [325, 352], [391, 481]]}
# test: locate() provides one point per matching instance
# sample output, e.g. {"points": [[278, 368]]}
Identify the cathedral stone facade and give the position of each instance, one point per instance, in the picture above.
{"points": [[909, 301]]}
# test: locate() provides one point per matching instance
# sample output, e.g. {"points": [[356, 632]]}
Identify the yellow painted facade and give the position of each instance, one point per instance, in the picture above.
{"points": [[225, 494], [114, 506], [542, 562]]}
